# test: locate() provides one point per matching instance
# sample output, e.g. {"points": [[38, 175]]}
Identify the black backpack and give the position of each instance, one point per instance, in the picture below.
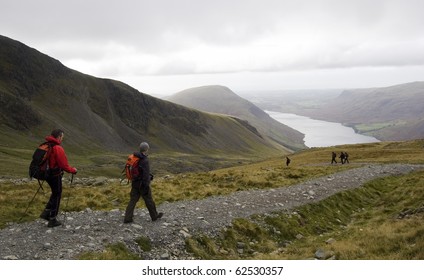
{"points": [[39, 166]]}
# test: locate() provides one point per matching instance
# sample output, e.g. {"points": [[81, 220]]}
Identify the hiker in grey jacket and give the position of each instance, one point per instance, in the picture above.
{"points": [[141, 187]]}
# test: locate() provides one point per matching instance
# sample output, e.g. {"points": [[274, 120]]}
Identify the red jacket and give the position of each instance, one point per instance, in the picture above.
{"points": [[58, 157]]}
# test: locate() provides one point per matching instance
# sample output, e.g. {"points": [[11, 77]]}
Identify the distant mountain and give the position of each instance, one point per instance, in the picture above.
{"points": [[390, 113], [220, 99], [38, 93], [290, 101]]}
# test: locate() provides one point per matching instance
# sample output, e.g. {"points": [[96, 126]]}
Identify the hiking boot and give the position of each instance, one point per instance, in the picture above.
{"points": [[160, 215], [45, 215], [53, 222], [128, 221]]}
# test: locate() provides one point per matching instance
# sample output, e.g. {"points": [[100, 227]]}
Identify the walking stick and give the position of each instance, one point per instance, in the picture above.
{"points": [[40, 187], [67, 200]]}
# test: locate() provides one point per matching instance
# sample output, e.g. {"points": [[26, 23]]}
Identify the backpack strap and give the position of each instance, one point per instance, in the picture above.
{"points": [[124, 171], [53, 171]]}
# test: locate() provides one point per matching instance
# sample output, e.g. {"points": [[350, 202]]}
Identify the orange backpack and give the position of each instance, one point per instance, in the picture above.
{"points": [[131, 170]]}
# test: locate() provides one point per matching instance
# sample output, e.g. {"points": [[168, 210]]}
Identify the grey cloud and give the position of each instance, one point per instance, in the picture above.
{"points": [[147, 37]]}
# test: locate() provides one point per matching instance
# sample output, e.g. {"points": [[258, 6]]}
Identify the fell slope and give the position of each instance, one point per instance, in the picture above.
{"points": [[220, 99], [391, 113], [38, 93]]}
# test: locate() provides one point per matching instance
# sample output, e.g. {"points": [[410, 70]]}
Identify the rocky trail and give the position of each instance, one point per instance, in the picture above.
{"points": [[91, 230]]}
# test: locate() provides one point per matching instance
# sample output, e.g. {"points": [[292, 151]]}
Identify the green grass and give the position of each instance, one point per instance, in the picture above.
{"points": [[364, 128], [170, 189], [117, 251], [269, 173], [144, 243], [372, 127], [366, 223], [14, 162], [350, 217]]}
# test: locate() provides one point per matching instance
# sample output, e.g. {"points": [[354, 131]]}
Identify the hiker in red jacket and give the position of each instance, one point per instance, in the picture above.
{"points": [[58, 163]]}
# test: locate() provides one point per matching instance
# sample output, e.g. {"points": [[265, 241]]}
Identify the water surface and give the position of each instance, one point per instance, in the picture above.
{"points": [[321, 133]]}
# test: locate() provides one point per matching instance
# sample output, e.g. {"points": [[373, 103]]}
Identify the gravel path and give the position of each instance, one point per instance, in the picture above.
{"points": [[90, 230]]}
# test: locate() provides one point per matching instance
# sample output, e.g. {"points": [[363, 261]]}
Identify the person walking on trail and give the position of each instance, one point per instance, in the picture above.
{"points": [[333, 158], [58, 163], [141, 187], [342, 157], [287, 161], [346, 157]]}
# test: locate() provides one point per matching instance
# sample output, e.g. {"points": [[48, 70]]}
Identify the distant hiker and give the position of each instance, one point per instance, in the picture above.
{"points": [[140, 186], [342, 157], [346, 157], [333, 158], [287, 161], [58, 163]]}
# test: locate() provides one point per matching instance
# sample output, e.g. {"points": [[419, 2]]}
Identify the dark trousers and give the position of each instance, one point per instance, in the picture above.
{"points": [[55, 183], [137, 191]]}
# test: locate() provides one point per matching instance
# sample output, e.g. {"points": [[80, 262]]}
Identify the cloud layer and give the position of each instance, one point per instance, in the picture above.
{"points": [[141, 40]]}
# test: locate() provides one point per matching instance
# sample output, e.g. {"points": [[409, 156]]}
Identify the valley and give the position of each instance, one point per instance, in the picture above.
{"points": [[390, 114], [220, 170]]}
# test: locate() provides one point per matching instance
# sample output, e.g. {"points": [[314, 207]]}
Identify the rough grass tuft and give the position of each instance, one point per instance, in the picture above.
{"points": [[382, 220], [360, 220], [116, 251]]}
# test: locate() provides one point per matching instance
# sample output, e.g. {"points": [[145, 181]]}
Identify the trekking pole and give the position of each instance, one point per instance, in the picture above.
{"points": [[67, 200], [38, 190]]}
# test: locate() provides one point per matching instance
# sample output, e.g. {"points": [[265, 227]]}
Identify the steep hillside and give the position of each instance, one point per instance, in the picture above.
{"points": [[219, 99], [38, 93], [391, 113]]}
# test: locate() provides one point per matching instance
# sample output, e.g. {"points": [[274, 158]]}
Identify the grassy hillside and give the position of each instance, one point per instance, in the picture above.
{"points": [[105, 118], [219, 99], [381, 221], [290, 101], [370, 221]]}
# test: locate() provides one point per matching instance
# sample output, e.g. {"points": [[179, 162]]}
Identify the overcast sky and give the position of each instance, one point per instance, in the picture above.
{"points": [[161, 47]]}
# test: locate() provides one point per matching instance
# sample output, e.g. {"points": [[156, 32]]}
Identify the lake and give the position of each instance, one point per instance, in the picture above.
{"points": [[321, 133]]}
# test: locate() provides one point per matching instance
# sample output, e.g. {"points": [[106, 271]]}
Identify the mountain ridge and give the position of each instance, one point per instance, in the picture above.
{"points": [[222, 100], [38, 93], [391, 113]]}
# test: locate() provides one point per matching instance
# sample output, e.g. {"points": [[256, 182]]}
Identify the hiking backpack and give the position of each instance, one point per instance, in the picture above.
{"points": [[39, 166], [131, 170]]}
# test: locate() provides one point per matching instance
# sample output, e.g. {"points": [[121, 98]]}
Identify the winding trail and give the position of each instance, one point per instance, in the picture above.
{"points": [[91, 230]]}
